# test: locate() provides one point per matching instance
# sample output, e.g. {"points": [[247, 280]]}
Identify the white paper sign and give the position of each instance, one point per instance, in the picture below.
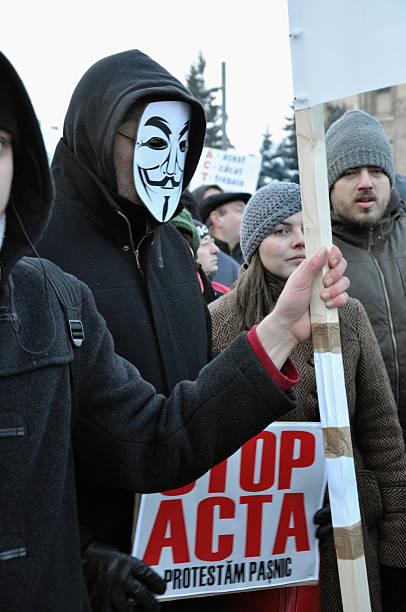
{"points": [[340, 49], [230, 170], [246, 524]]}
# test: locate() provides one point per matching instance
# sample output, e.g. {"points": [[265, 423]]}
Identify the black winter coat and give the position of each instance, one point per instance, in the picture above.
{"points": [[235, 253], [141, 272], [124, 434]]}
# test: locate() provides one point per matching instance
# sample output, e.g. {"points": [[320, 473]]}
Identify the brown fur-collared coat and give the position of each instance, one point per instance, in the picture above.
{"points": [[377, 439]]}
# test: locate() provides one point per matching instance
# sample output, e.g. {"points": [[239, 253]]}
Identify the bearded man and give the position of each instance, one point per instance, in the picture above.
{"points": [[370, 229]]}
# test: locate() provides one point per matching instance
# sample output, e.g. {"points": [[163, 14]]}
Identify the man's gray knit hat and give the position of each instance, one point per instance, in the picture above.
{"points": [[268, 207], [357, 139]]}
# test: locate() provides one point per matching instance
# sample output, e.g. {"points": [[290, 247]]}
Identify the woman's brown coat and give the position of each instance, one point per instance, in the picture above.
{"points": [[377, 439]]}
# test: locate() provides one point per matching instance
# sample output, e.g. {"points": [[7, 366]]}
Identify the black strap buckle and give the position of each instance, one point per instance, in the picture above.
{"points": [[77, 332]]}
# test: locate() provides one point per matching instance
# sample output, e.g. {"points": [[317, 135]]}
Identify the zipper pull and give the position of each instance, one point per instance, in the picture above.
{"points": [[371, 239], [138, 260]]}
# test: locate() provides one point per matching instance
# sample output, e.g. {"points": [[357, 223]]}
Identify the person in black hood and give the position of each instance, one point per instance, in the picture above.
{"points": [[127, 112], [131, 142], [122, 431], [111, 240], [39, 544]]}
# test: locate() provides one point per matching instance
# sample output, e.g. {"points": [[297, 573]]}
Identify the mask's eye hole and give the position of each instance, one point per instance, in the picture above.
{"points": [[156, 143], [183, 146]]}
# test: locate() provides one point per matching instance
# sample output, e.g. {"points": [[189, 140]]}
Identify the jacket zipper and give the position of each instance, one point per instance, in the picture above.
{"points": [[134, 250], [388, 307]]}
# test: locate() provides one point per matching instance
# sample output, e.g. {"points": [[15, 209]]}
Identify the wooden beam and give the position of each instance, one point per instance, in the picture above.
{"points": [[329, 369]]}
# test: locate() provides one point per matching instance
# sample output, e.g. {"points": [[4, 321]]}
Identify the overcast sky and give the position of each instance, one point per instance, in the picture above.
{"points": [[52, 44]]}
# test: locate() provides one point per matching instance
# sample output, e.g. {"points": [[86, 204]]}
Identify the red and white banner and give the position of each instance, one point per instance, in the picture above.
{"points": [[246, 524], [230, 170]]}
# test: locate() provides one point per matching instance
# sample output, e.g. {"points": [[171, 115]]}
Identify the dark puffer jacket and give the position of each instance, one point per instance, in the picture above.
{"points": [[124, 433], [376, 259]]}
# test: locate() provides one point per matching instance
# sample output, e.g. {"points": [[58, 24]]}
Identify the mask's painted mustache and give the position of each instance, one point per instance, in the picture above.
{"points": [[163, 183]]}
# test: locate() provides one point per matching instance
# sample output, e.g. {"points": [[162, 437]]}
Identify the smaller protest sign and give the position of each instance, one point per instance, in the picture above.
{"points": [[230, 170], [246, 524]]}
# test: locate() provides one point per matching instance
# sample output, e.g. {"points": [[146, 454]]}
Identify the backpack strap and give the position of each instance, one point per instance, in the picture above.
{"points": [[69, 298]]}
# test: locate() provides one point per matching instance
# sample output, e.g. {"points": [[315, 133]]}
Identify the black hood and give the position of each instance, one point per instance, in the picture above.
{"points": [[31, 192], [98, 105]]}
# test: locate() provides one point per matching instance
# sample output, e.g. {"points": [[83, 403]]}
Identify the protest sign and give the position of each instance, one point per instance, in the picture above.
{"points": [[246, 524], [230, 170], [341, 49], [337, 51]]}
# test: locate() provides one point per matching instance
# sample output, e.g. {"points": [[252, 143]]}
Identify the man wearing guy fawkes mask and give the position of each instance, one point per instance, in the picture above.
{"points": [[159, 156], [132, 139]]}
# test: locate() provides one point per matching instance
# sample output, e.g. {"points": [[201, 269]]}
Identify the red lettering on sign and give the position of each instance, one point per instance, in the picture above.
{"points": [[204, 529], [217, 482], [292, 507], [204, 174], [248, 457], [209, 154], [170, 514], [254, 522], [287, 462], [181, 491], [206, 164]]}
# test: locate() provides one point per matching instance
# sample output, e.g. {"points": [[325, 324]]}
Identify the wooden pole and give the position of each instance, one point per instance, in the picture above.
{"points": [[329, 369]]}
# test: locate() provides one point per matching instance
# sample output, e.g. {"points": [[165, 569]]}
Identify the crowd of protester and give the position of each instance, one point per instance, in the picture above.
{"points": [[178, 330]]}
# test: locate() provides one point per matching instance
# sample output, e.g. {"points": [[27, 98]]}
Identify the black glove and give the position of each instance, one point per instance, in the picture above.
{"points": [[322, 518], [392, 587], [117, 582]]}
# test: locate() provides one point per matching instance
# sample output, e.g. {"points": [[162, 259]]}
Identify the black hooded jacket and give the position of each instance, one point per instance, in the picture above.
{"points": [[140, 271], [124, 433]]}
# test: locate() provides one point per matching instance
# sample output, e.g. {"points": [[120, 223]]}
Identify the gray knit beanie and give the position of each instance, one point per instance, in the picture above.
{"points": [[268, 207], [357, 139]]}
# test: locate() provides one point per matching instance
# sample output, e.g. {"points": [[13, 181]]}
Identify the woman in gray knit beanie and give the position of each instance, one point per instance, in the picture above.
{"points": [[273, 246], [267, 208]]}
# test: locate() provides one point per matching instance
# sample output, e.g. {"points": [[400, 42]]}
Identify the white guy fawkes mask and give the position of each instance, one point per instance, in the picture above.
{"points": [[159, 156]]}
